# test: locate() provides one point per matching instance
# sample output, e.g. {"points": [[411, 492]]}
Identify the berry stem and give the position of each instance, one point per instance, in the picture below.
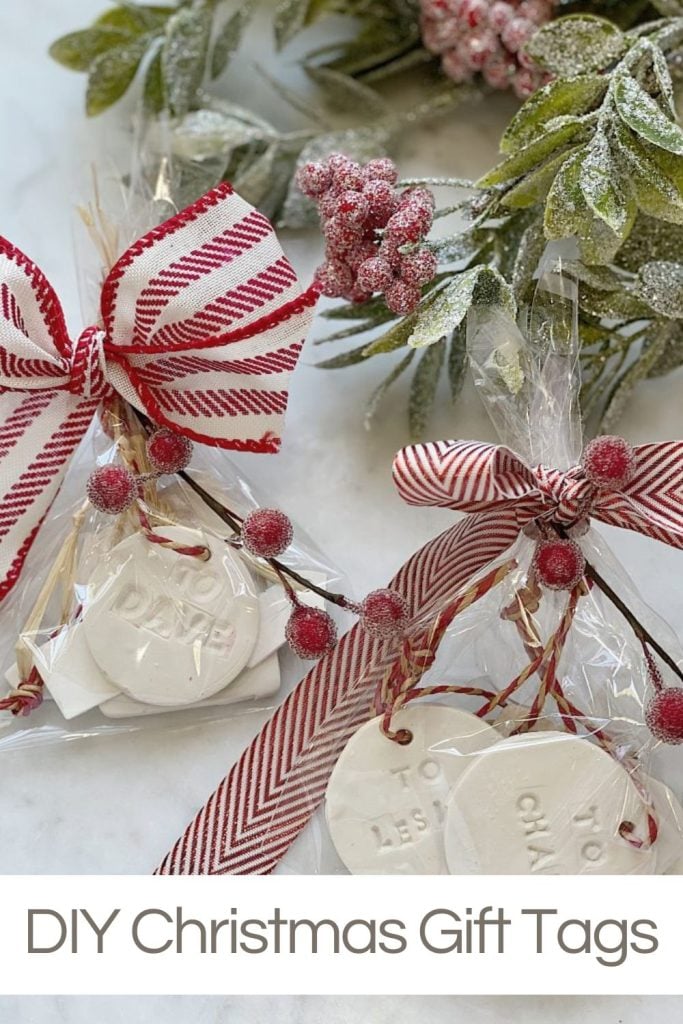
{"points": [[638, 628], [234, 521]]}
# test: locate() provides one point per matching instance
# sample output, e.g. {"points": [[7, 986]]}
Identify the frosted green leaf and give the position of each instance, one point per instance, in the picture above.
{"points": [[290, 17], [568, 214], [255, 181], [345, 94], [202, 134], [382, 388], [651, 240], [642, 114], [606, 193], [457, 361], [423, 388], [651, 353], [534, 187], [78, 50], [600, 279], [447, 311], [662, 77], [111, 73], [660, 284], [616, 305], [577, 44], [656, 193], [350, 358], [396, 337], [460, 248], [564, 96], [670, 8], [184, 56], [509, 366], [153, 90], [370, 310], [529, 251], [229, 38], [481, 285], [565, 131], [137, 18]]}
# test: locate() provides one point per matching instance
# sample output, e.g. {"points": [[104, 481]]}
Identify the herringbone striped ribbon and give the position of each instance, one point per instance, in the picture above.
{"points": [[202, 321], [272, 791]]}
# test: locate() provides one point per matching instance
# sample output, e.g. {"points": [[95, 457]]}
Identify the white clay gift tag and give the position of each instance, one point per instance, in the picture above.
{"points": [[385, 802], [549, 804], [167, 628], [252, 684]]}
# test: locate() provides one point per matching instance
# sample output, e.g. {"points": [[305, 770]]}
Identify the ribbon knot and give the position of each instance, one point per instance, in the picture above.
{"points": [[88, 377], [483, 479], [569, 494]]}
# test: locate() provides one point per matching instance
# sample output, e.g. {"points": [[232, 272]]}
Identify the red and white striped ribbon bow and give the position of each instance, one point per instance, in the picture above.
{"points": [[202, 321], [473, 477], [271, 793]]}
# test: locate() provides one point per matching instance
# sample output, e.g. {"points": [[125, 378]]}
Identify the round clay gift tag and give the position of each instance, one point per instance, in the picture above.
{"points": [[545, 804], [386, 802], [168, 628]]}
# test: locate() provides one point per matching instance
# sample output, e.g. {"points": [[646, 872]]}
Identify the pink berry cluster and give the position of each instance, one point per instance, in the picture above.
{"points": [[311, 632], [113, 489], [374, 232], [487, 36]]}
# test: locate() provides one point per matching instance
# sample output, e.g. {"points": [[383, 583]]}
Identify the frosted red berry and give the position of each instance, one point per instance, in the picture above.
{"points": [[609, 462], [455, 66], [418, 267], [111, 489], [366, 250], [348, 177], [408, 225], [383, 169], [314, 178], [664, 715], [384, 614], [499, 15], [381, 199], [516, 33], [375, 275], [402, 298], [310, 632], [559, 564], [334, 278], [352, 208], [341, 235], [358, 295], [169, 452], [267, 532]]}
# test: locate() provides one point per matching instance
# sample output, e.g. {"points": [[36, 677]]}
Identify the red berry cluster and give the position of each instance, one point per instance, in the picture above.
{"points": [[113, 489], [487, 36], [374, 232]]}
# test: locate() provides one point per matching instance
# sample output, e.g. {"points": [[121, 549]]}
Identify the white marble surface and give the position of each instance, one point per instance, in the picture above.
{"points": [[116, 805]]}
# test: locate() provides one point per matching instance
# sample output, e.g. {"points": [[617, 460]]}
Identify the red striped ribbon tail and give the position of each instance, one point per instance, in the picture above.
{"points": [[270, 794]]}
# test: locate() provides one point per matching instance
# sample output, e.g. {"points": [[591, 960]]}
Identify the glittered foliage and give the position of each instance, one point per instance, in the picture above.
{"points": [[596, 154]]}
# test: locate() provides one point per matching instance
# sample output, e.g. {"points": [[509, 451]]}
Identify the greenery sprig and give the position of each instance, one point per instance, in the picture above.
{"points": [[597, 154]]}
